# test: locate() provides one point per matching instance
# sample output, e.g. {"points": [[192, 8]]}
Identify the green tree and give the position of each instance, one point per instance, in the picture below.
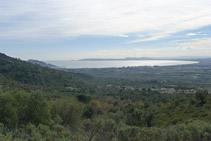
{"points": [[38, 110], [200, 96], [22, 99], [69, 110], [8, 110], [83, 98], [100, 129]]}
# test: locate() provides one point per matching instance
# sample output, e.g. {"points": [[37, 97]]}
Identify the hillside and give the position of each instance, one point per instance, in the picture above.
{"points": [[69, 107], [21, 73]]}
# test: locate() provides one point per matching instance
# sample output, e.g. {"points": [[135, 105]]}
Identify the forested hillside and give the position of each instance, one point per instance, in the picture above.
{"points": [[15, 72], [43, 104]]}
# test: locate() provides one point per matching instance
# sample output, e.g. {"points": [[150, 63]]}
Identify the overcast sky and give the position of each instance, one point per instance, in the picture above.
{"points": [[74, 29]]}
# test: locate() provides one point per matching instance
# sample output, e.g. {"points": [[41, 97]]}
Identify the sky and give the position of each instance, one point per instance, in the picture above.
{"points": [[76, 29]]}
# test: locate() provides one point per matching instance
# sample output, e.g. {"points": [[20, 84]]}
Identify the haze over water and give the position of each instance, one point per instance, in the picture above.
{"points": [[117, 64]]}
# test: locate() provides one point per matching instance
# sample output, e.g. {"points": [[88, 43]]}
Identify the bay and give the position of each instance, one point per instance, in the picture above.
{"points": [[117, 64]]}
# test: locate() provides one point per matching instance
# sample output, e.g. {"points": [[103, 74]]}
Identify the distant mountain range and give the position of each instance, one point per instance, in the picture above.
{"points": [[111, 59], [145, 58]]}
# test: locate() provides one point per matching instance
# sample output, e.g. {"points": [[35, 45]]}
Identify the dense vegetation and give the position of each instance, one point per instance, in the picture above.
{"points": [[38, 103], [29, 116]]}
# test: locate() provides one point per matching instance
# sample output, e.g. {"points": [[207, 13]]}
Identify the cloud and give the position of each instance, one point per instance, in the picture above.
{"points": [[65, 18], [152, 37], [191, 34]]}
